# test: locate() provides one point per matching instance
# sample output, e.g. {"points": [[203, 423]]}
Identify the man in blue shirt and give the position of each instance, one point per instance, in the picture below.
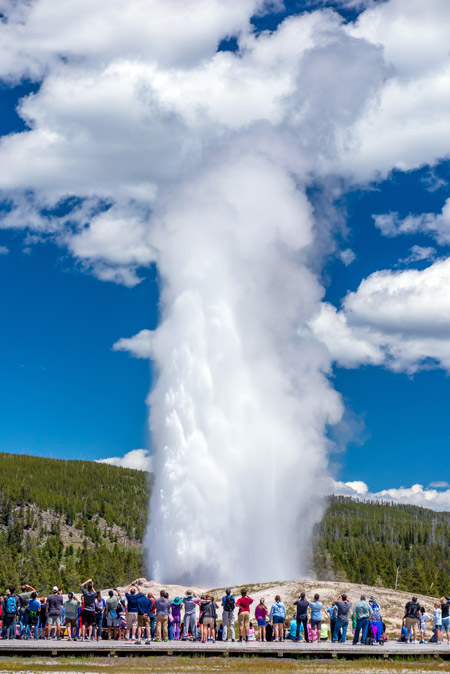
{"points": [[133, 594], [145, 607]]}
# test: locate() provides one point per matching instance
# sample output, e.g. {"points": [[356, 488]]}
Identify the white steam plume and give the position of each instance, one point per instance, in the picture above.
{"points": [[240, 407]]}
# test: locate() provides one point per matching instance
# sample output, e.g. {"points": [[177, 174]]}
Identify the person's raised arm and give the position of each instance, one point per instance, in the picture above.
{"points": [[118, 592], [31, 588], [89, 580]]}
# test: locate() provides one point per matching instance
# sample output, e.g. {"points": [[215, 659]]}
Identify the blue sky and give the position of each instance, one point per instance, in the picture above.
{"points": [[67, 393]]}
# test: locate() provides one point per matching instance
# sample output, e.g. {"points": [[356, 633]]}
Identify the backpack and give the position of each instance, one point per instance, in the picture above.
{"points": [[229, 604], [11, 605], [119, 607], [412, 609]]}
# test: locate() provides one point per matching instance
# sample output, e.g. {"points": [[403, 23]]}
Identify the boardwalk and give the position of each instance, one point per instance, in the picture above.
{"points": [[285, 649]]}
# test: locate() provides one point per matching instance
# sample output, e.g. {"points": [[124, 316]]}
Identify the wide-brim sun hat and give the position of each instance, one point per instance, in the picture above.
{"points": [[177, 601]]}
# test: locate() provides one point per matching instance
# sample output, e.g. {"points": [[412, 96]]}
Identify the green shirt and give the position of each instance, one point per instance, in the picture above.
{"points": [[71, 607]]}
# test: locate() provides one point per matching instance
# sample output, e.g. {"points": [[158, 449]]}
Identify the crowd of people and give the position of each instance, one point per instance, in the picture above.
{"points": [[138, 616]]}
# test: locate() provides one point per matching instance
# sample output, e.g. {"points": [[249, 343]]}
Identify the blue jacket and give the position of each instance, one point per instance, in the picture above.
{"points": [[278, 610]]}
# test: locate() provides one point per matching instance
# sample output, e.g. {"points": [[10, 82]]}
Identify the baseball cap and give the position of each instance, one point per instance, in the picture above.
{"points": [[55, 589]]}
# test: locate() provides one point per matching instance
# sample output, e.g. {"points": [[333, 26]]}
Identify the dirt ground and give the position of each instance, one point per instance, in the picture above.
{"points": [[392, 602]]}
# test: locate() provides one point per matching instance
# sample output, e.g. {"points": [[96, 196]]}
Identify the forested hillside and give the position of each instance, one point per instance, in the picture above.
{"points": [[367, 542], [63, 521]]}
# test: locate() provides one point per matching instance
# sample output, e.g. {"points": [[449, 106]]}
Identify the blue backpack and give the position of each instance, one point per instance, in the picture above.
{"points": [[11, 605]]}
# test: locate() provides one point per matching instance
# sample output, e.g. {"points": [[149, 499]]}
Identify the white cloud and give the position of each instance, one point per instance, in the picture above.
{"points": [[347, 256], [417, 494], [398, 319], [419, 254], [436, 225], [140, 345], [137, 459], [4, 250]]}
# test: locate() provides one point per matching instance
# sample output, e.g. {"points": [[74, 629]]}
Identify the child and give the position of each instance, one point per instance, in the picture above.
{"points": [[437, 620], [251, 633], [424, 618]]}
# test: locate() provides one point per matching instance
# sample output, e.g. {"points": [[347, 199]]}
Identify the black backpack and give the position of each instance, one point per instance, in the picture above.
{"points": [[412, 609], [229, 603]]}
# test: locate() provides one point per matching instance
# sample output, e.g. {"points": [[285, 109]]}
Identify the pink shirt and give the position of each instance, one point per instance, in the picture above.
{"points": [[260, 612]]}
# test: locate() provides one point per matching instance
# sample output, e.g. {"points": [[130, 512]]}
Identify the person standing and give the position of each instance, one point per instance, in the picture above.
{"points": [[24, 598], [88, 612], [145, 606], [363, 611], [437, 621], [176, 617], [278, 615], [99, 611], [445, 608], [331, 611], [11, 605], [302, 616], [316, 616], [343, 607], [71, 609], [261, 612], [33, 616], [133, 594], [376, 619], [412, 615], [112, 613], [228, 605], [54, 612], [190, 602], [208, 611], [162, 606], [244, 604]]}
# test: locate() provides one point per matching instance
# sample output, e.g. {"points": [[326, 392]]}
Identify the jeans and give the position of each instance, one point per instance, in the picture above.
{"points": [[227, 621], [98, 625], [361, 624], [152, 625], [304, 622], [23, 618], [340, 625], [190, 621]]}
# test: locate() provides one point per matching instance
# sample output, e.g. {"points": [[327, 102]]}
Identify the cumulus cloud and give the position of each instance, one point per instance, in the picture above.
{"points": [[140, 345], [137, 459], [400, 319], [437, 225], [4, 250], [437, 498]]}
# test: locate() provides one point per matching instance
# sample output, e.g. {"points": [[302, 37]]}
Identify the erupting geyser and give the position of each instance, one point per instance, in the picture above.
{"points": [[241, 403]]}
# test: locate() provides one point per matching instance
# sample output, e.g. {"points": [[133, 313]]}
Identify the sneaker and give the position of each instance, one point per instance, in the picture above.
{"points": [[148, 642], [138, 641], [203, 642], [421, 642]]}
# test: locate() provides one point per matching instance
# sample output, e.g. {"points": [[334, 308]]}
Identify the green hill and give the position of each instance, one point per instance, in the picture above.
{"points": [[368, 542], [64, 521]]}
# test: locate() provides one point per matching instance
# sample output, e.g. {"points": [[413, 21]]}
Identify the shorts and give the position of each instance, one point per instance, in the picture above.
{"points": [[316, 623], [278, 620], [261, 622], [446, 623], [71, 622], [132, 620], [88, 618], [53, 620], [438, 627], [111, 622], [143, 621], [410, 622], [208, 622], [244, 619]]}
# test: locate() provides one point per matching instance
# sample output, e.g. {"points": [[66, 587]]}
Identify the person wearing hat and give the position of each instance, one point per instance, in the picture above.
{"points": [[71, 609], [54, 612], [176, 616], [190, 602]]}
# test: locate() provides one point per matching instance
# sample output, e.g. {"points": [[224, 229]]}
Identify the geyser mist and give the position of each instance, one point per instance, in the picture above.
{"points": [[241, 401]]}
